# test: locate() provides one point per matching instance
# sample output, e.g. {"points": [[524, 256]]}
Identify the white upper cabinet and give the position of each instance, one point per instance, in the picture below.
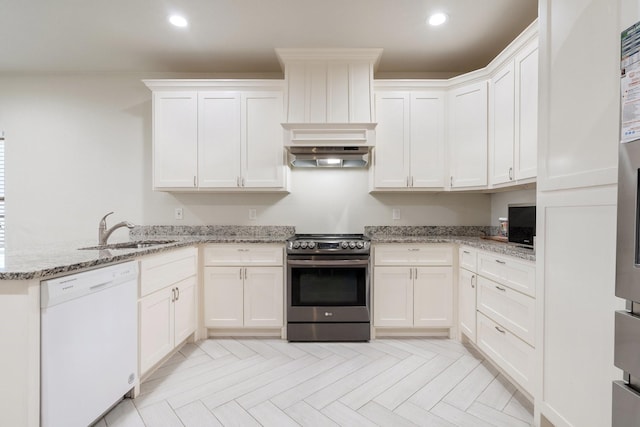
{"points": [[526, 147], [219, 139], [502, 124], [409, 151], [513, 118], [223, 136], [262, 155], [468, 136], [175, 139]]}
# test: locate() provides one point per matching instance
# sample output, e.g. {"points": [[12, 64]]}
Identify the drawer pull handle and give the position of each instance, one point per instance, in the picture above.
{"points": [[501, 289], [473, 278], [502, 331], [414, 249], [500, 261], [243, 250], [466, 252]]}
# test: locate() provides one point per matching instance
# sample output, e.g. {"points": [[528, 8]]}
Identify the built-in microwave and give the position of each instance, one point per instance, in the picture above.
{"points": [[522, 224]]}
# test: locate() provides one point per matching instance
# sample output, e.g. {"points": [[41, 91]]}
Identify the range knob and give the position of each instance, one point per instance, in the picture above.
{"points": [[312, 245], [303, 245], [360, 245], [295, 245], [344, 245], [352, 245]]}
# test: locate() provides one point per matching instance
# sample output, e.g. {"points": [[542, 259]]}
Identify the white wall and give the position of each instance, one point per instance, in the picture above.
{"points": [[80, 146], [500, 202]]}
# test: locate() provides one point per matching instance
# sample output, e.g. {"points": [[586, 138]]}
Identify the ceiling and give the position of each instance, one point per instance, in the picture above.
{"points": [[224, 36]]}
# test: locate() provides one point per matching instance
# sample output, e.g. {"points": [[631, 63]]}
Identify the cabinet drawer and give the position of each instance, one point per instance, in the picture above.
{"points": [[468, 258], [160, 271], [518, 275], [511, 309], [243, 255], [413, 255], [508, 351]]}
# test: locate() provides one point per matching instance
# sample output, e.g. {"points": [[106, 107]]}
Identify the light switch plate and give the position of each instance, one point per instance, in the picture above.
{"points": [[252, 214], [395, 213]]}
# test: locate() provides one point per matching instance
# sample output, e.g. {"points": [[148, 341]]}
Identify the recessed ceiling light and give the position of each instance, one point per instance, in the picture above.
{"points": [[178, 21], [437, 19]]}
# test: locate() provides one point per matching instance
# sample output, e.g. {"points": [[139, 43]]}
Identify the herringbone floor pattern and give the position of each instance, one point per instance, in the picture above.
{"points": [[270, 382]]}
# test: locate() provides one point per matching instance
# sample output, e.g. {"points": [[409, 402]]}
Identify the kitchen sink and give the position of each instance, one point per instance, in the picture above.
{"points": [[138, 244]]}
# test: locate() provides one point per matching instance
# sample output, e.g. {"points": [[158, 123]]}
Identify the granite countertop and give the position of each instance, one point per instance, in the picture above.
{"points": [[66, 258], [475, 242], [461, 235]]}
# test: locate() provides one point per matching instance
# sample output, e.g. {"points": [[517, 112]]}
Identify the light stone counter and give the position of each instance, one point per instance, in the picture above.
{"points": [[65, 258], [462, 235]]}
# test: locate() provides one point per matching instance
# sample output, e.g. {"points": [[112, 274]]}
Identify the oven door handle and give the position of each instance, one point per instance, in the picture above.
{"points": [[336, 262]]}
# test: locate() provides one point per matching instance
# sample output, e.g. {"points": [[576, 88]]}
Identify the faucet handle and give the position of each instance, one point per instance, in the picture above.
{"points": [[104, 218]]}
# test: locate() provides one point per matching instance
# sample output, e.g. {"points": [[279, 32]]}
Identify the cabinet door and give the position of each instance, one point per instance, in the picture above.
{"points": [[175, 139], [156, 328], [184, 309], [262, 154], [518, 275], [515, 311], [433, 297], [468, 258], [393, 296], [468, 136], [501, 129], [509, 352], [526, 154], [391, 164], [263, 296], [467, 303], [427, 140], [218, 139], [223, 296]]}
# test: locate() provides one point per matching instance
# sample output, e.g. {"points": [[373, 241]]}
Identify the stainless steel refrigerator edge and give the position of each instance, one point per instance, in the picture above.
{"points": [[626, 393]]}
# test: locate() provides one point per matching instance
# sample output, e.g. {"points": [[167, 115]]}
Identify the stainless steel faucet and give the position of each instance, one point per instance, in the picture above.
{"points": [[104, 233]]}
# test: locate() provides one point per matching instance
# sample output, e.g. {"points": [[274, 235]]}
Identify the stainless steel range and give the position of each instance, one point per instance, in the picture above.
{"points": [[328, 287]]}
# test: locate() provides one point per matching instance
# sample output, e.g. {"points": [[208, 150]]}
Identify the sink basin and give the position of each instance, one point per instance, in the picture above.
{"points": [[139, 244]]}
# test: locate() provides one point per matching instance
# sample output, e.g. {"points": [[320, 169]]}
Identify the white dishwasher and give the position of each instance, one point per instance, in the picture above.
{"points": [[89, 344]]}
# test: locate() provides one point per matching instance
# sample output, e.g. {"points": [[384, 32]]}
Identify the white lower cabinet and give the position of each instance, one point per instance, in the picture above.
{"points": [[167, 304], [497, 310], [393, 297], [467, 282], [510, 308], [508, 351], [243, 297], [243, 286], [413, 286]]}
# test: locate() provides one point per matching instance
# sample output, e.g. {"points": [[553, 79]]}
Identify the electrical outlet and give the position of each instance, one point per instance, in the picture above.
{"points": [[395, 213], [178, 213], [252, 214]]}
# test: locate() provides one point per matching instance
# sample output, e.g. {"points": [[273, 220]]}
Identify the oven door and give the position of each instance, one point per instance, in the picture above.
{"points": [[327, 289]]}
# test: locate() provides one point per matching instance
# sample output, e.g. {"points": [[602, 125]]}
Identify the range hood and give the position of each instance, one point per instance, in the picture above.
{"points": [[329, 108], [329, 157]]}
